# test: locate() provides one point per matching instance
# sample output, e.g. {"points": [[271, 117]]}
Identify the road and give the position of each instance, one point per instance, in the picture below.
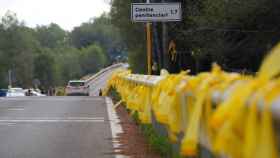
{"points": [[57, 127], [101, 81]]}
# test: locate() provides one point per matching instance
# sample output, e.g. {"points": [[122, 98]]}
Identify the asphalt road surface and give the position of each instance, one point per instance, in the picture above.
{"points": [[58, 127], [101, 81], [54, 127]]}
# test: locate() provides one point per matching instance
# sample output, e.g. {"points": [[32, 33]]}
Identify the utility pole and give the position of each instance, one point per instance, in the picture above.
{"points": [[164, 43], [10, 78], [149, 45]]}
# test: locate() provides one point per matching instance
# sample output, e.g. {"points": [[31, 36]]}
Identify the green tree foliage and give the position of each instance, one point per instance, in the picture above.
{"points": [[132, 33], [18, 47], [69, 64], [229, 32], [51, 36], [100, 31], [89, 56], [44, 68], [48, 54], [137, 60]]}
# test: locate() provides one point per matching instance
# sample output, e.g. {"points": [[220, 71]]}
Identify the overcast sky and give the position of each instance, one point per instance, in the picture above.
{"points": [[66, 13]]}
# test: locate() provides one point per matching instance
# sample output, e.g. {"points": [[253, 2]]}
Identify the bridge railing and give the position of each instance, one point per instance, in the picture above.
{"points": [[112, 67], [228, 114]]}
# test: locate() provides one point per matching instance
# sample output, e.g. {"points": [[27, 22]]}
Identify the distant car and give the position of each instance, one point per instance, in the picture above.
{"points": [[33, 92], [3, 92], [15, 92], [77, 88]]}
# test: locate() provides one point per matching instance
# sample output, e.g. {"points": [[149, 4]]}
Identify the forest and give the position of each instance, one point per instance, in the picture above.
{"points": [[235, 34], [48, 56]]}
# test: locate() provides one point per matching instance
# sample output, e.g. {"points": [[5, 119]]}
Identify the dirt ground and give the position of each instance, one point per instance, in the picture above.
{"points": [[133, 143]]}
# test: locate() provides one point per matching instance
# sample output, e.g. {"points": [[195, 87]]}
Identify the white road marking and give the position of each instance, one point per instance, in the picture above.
{"points": [[15, 109], [4, 120], [51, 118], [116, 128], [48, 121], [65, 99], [85, 118], [7, 124]]}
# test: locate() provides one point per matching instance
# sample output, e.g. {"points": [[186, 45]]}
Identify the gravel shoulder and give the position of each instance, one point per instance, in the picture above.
{"points": [[133, 143]]}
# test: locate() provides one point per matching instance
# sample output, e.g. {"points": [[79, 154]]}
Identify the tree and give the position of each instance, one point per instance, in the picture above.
{"points": [[133, 34], [44, 68], [18, 47], [92, 59], [68, 64], [51, 36], [99, 31], [46, 54]]}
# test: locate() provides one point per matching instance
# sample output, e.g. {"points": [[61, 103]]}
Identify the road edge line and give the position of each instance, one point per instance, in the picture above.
{"points": [[116, 128]]}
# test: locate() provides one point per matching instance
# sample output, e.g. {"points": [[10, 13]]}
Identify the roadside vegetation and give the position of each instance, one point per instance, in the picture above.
{"points": [[230, 33], [236, 34], [49, 56]]}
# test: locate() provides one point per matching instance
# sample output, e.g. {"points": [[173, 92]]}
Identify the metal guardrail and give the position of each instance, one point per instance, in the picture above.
{"points": [[103, 71], [153, 80], [217, 97], [229, 114], [148, 80]]}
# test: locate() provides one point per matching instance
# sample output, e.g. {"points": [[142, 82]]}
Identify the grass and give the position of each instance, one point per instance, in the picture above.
{"points": [[60, 91], [114, 95], [158, 143]]}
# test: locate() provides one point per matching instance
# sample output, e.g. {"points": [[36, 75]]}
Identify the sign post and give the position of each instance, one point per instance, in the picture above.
{"points": [[154, 12], [149, 45]]}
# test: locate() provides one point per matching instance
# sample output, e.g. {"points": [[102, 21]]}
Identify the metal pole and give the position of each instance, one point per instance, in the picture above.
{"points": [[164, 44], [10, 78], [149, 46]]}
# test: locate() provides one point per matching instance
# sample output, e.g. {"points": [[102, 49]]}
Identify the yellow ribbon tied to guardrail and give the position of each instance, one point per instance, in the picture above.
{"points": [[256, 139], [238, 123]]}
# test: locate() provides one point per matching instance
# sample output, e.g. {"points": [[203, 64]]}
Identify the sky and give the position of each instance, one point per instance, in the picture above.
{"points": [[66, 13]]}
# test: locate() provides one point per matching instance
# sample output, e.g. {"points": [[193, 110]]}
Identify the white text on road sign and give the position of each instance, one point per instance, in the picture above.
{"points": [[151, 12]]}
